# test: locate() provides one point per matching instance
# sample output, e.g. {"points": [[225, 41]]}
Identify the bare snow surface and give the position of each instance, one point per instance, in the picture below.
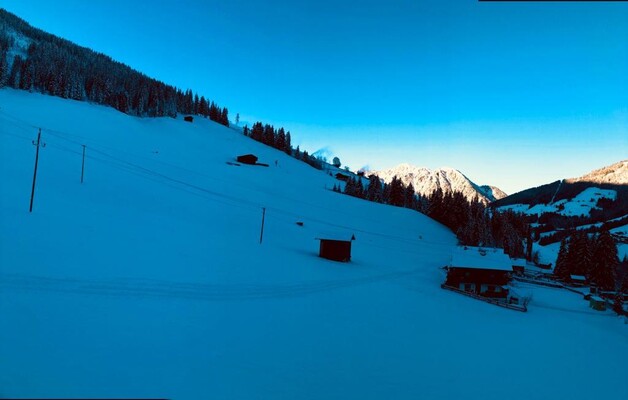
{"points": [[148, 280]]}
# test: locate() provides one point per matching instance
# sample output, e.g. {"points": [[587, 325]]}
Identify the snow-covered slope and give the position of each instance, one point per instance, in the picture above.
{"points": [[426, 180], [580, 205], [148, 280], [616, 174]]}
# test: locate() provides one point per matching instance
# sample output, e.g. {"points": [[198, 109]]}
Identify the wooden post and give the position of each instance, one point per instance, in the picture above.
{"points": [[37, 144], [83, 165], [261, 235]]}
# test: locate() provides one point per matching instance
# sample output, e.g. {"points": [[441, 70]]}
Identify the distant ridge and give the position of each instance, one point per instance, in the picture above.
{"points": [[600, 196], [616, 174]]}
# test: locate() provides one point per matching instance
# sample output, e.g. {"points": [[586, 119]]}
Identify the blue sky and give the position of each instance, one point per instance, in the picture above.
{"points": [[512, 94]]}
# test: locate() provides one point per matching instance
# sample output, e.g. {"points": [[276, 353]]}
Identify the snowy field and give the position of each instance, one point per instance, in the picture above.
{"points": [[148, 280]]}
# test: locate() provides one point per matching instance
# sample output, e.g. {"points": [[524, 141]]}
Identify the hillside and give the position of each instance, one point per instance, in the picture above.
{"points": [[148, 280], [613, 177], [595, 201], [425, 181], [34, 60], [616, 174]]}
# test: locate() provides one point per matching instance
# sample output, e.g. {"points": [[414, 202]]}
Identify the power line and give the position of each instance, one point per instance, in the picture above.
{"points": [[180, 184]]}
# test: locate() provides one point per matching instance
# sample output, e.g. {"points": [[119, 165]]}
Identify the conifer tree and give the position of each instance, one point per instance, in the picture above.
{"points": [[561, 270], [606, 260], [359, 188], [374, 189], [618, 302], [396, 192], [280, 142], [288, 145], [409, 196]]}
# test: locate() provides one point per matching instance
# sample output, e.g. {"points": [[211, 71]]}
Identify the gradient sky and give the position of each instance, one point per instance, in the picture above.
{"points": [[512, 94]]}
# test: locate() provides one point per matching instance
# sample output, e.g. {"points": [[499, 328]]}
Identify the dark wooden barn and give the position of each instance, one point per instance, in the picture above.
{"points": [[335, 249], [188, 118], [247, 159], [484, 272]]}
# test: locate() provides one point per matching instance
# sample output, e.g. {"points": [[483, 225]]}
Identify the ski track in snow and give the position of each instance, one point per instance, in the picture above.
{"points": [[194, 291]]}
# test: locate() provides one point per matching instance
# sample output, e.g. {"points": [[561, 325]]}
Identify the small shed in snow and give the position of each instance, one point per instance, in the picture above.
{"points": [[336, 248], [481, 271], [247, 159], [188, 118], [597, 303]]}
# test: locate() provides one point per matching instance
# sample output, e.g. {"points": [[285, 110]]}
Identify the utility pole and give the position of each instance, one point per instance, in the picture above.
{"points": [[261, 235], [37, 145], [83, 165]]}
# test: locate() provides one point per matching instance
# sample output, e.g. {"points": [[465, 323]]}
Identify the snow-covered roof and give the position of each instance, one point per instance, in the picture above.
{"points": [[577, 278], [341, 236], [480, 258], [597, 298]]}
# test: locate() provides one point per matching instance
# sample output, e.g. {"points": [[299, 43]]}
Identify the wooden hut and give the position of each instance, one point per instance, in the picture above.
{"points": [[484, 272], [337, 249], [247, 159], [188, 118], [342, 177]]}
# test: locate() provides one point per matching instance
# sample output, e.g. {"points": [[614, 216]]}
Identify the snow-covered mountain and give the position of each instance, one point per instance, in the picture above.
{"points": [[616, 174], [604, 188], [426, 180]]}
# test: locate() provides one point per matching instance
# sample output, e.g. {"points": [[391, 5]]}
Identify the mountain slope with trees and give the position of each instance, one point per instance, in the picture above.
{"points": [[31, 59]]}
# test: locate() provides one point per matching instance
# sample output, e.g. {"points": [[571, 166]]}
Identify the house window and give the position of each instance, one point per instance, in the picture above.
{"points": [[467, 287]]}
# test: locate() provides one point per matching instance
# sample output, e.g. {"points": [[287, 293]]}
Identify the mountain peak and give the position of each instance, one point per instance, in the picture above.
{"points": [[448, 179]]}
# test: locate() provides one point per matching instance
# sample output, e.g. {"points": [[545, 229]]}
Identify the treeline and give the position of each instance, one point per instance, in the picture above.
{"points": [[592, 256], [472, 222], [281, 140], [57, 67], [557, 236]]}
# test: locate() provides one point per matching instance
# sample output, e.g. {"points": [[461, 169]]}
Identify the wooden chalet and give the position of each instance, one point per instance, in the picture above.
{"points": [[480, 271]]}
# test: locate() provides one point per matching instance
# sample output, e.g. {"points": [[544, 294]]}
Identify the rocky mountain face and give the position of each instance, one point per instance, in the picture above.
{"points": [[425, 181]]}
